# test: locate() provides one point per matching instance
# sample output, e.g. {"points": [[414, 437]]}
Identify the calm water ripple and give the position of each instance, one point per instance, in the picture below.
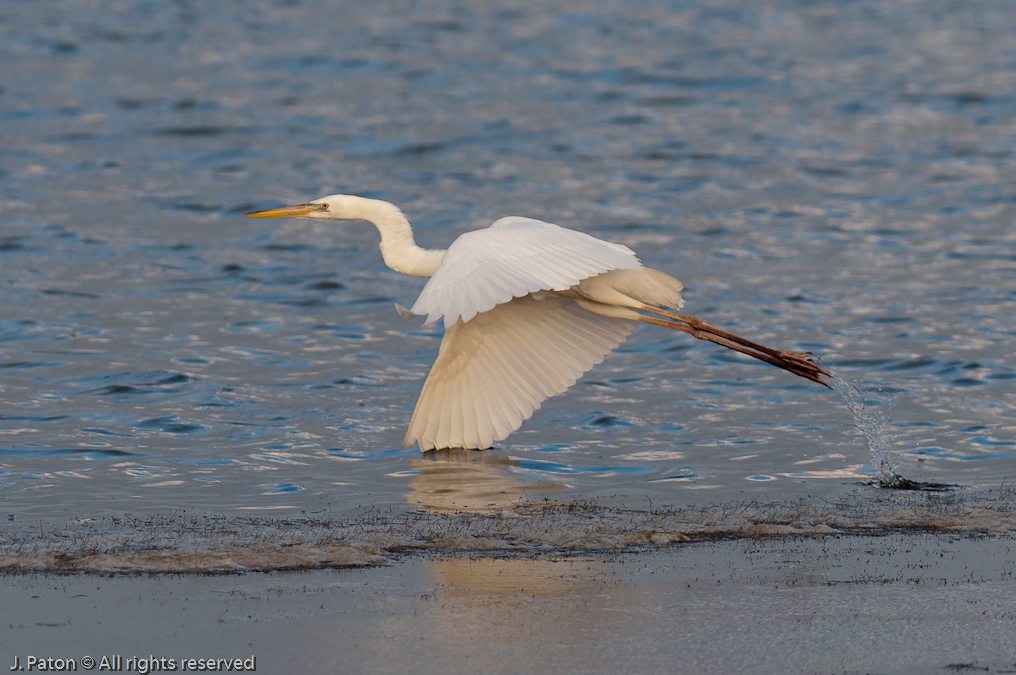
{"points": [[834, 178]]}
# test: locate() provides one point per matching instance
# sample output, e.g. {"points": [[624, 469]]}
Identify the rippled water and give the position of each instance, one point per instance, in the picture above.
{"points": [[833, 177]]}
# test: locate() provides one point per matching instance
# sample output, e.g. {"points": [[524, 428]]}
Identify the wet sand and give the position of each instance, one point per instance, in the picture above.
{"points": [[899, 603]]}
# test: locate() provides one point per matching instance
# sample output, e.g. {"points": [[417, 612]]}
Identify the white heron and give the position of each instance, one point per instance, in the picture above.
{"points": [[528, 307]]}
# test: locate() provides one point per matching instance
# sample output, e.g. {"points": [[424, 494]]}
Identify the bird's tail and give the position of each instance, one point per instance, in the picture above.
{"points": [[794, 362]]}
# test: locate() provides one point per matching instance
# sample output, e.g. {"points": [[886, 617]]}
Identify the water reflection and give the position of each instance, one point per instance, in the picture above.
{"points": [[483, 616], [507, 579], [478, 599], [471, 480]]}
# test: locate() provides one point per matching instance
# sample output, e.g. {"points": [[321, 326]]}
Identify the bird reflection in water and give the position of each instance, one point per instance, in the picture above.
{"points": [[484, 481], [471, 480]]}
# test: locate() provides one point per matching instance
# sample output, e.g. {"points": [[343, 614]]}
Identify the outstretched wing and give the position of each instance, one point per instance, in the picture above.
{"points": [[510, 259], [493, 372]]}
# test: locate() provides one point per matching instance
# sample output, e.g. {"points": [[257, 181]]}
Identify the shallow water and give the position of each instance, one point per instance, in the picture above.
{"points": [[833, 178], [899, 604]]}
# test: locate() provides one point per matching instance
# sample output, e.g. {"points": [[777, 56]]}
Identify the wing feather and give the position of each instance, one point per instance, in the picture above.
{"points": [[494, 371], [510, 259], [471, 402], [458, 400]]}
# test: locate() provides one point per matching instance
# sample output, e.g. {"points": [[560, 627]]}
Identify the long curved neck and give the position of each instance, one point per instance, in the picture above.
{"points": [[398, 248]]}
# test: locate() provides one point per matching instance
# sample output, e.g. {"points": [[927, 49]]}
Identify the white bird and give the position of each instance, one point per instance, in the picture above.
{"points": [[528, 307]]}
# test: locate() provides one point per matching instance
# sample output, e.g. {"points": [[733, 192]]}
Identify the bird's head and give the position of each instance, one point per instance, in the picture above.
{"points": [[332, 207]]}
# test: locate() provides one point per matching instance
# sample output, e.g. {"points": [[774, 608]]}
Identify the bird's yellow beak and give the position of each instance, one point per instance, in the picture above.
{"points": [[298, 211]]}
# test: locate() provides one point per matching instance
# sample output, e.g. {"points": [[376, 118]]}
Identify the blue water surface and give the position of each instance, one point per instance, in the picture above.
{"points": [[833, 177]]}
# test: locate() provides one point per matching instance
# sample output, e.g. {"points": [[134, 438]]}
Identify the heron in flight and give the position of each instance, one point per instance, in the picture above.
{"points": [[528, 307]]}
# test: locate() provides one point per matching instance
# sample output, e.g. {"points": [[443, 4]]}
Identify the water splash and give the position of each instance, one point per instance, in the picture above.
{"points": [[876, 427]]}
